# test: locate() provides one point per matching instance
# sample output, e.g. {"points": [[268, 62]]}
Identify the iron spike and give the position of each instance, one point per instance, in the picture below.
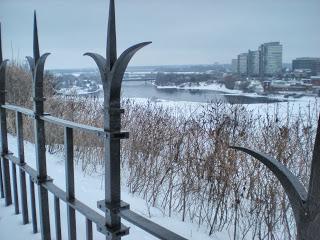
{"points": [[296, 192], [314, 186], [36, 51], [111, 56], [1, 58]]}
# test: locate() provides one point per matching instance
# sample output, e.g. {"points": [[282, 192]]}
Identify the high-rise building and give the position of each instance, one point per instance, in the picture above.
{"points": [[234, 66], [243, 63], [312, 64], [266, 61], [270, 58], [253, 63]]}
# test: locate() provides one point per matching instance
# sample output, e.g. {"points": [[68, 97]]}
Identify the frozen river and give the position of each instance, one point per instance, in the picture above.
{"points": [[132, 89]]}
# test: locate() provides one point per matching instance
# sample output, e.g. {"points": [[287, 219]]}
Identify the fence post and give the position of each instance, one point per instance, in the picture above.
{"points": [[5, 180], [37, 67], [112, 70]]}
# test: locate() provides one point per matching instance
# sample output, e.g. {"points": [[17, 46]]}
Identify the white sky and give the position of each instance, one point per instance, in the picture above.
{"points": [[182, 31]]}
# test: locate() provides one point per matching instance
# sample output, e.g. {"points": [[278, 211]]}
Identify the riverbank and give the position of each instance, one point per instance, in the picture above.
{"points": [[281, 96], [202, 86]]}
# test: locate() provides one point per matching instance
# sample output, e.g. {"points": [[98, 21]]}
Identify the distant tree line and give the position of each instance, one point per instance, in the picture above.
{"points": [[192, 68], [69, 80], [174, 79]]}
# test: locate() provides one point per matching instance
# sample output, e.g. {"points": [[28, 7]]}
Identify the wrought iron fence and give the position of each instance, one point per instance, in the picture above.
{"points": [[112, 71]]}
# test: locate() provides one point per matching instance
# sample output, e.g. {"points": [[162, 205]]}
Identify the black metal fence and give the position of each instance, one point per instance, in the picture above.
{"points": [[112, 71]]}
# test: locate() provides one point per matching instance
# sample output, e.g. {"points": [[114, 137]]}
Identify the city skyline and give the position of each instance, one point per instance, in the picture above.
{"points": [[182, 32], [266, 60]]}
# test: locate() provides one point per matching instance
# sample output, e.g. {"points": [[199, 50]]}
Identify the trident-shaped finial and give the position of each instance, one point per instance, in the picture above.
{"points": [[305, 205], [111, 68], [36, 64]]}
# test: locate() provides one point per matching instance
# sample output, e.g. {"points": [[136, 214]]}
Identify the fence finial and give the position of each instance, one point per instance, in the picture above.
{"points": [[314, 184], [1, 58], [111, 68], [36, 51], [37, 62], [295, 190], [305, 205], [111, 51]]}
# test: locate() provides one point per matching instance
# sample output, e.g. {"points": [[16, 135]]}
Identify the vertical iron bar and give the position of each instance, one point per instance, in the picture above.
{"points": [[3, 132], [23, 187], [112, 168], [1, 182], [57, 217], [6, 181], [4, 151], [112, 122], [70, 191], [2, 99], [33, 207], [42, 176], [89, 234], [39, 134], [15, 188]]}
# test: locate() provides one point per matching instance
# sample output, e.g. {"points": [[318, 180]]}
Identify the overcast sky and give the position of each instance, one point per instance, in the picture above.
{"points": [[182, 31]]}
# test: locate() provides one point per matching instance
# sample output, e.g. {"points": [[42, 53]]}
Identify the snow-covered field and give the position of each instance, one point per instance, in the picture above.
{"points": [[90, 189], [292, 107]]}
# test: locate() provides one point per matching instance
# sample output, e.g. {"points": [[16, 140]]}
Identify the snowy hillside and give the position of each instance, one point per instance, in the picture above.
{"points": [[89, 189]]}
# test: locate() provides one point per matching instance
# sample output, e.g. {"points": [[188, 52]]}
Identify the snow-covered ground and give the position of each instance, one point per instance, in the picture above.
{"points": [[292, 107], [89, 189]]}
